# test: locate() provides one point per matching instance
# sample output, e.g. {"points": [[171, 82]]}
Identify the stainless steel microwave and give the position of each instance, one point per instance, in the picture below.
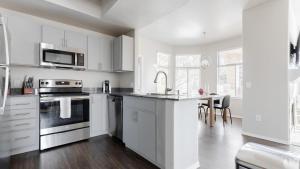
{"points": [[61, 57]]}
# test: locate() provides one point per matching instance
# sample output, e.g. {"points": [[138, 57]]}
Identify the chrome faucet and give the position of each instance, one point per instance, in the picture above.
{"points": [[166, 77]]}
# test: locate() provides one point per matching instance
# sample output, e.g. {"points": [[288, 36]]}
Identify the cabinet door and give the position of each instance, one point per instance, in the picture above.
{"points": [[52, 35], [94, 53], [147, 134], [127, 53], [76, 40], [117, 54], [98, 114], [106, 57], [130, 128], [25, 36]]}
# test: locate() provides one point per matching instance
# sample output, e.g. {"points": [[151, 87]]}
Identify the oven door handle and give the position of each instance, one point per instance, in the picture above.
{"points": [[50, 99]]}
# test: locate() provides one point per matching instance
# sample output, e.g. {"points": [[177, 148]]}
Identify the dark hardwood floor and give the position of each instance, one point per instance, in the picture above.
{"points": [[97, 153], [217, 149]]}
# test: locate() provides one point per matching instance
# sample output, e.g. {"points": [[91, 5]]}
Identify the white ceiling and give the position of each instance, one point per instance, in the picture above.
{"points": [[220, 19], [176, 22]]}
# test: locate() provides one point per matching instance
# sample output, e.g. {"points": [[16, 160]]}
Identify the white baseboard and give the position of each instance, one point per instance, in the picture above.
{"points": [[266, 138], [233, 115]]}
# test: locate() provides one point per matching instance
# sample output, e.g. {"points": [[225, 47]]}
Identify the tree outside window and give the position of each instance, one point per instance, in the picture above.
{"points": [[230, 72]]}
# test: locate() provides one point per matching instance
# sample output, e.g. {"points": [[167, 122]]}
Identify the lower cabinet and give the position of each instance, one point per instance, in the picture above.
{"points": [[139, 126], [98, 114], [19, 126]]}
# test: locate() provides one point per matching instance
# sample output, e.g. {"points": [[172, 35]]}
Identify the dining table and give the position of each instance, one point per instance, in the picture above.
{"points": [[212, 111]]}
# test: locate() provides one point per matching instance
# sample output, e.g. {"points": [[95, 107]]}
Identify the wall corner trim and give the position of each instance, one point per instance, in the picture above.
{"points": [[286, 142]]}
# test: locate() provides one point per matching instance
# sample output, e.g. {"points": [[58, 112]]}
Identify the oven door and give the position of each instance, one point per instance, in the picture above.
{"points": [[52, 57], [51, 121]]}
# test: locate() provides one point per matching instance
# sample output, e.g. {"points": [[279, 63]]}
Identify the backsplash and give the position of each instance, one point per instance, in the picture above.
{"points": [[89, 78]]}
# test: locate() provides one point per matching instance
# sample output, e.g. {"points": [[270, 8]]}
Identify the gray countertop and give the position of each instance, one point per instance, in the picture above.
{"points": [[126, 92], [163, 97]]}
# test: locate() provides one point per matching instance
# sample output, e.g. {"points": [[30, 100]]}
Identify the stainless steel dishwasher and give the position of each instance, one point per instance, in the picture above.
{"points": [[115, 115]]}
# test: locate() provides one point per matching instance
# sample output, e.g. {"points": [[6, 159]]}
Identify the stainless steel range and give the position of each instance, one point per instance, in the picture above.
{"points": [[64, 112]]}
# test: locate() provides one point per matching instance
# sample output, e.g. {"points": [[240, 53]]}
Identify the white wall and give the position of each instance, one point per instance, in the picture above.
{"points": [[209, 75], [147, 50], [90, 79], [266, 48]]}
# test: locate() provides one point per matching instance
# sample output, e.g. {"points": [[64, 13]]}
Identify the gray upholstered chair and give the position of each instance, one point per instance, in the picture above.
{"points": [[224, 106]]}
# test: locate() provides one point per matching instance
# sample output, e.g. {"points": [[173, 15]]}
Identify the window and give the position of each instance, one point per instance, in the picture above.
{"points": [[163, 60], [230, 72], [187, 79]]}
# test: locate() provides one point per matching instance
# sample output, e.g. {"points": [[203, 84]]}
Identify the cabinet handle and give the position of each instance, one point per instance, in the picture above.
{"points": [[22, 124], [20, 104], [62, 42], [21, 114], [66, 43], [21, 138], [4, 127]]}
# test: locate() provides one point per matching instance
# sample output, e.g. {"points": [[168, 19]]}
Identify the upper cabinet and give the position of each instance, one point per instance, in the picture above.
{"points": [[24, 38], [53, 36], [75, 40], [64, 38], [123, 54], [100, 53]]}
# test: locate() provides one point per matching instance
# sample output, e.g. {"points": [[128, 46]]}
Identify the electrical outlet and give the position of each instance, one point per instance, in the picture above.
{"points": [[258, 117]]}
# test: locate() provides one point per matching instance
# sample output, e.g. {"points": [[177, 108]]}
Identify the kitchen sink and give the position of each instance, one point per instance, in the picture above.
{"points": [[161, 94]]}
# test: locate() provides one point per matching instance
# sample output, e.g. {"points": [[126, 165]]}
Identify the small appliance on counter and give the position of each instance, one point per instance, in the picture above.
{"points": [[27, 85], [106, 87]]}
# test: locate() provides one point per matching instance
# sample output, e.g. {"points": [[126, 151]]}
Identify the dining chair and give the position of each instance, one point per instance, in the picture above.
{"points": [[200, 108], [224, 106], [207, 107]]}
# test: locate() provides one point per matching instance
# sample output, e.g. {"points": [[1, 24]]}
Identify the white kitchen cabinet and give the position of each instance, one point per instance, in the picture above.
{"points": [[147, 134], [99, 53], [107, 47], [24, 38], [76, 40], [130, 127], [123, 54], [53, 35], [139, 126], [94, 53], [98, 114], [19, 126], [64, 38]]}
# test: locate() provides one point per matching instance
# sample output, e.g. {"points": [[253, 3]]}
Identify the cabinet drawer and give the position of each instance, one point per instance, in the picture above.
{"points": [[23, 139], [17, 125], [140, 103], [18, 114], [21, 103], [19, 139]]}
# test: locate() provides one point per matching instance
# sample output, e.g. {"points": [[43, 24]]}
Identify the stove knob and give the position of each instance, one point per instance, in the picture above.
{"points": [[47, 83], [42, 83], [76, 83], [79, 83]]}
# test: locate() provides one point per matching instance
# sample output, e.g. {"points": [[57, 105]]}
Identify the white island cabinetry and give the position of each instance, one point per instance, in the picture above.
{"points": [[139, 122], [163, 131]]}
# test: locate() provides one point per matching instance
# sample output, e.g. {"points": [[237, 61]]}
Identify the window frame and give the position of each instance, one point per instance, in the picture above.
{"points": [[228, 65], [159, 67], [187, 69]]}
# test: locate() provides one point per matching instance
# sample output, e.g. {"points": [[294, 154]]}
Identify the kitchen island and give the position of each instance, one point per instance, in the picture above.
{"points": [[162, 129]]}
